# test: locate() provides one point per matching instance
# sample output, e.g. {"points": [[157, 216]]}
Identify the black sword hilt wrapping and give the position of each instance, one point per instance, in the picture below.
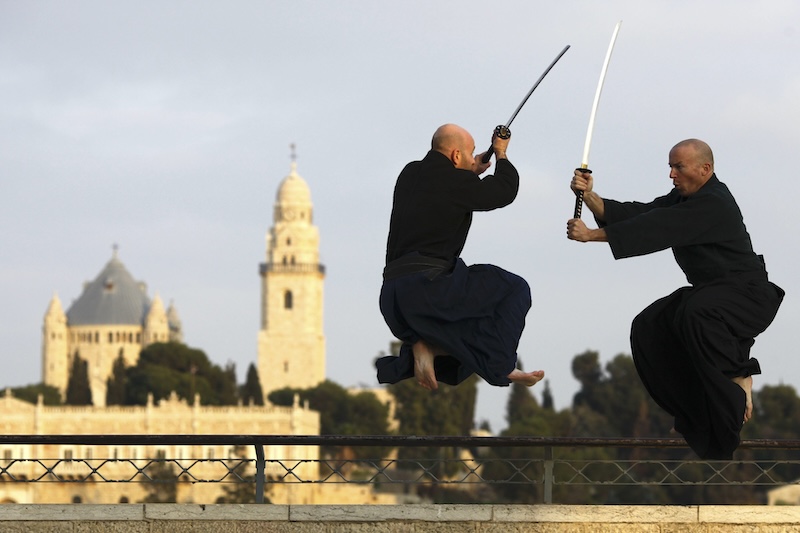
{"points": [[502, 132], [579, 197]]}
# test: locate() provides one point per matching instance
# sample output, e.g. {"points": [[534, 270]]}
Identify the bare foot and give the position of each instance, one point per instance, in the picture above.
{"points": [[423, 365], [746, 383], [526, 378]]}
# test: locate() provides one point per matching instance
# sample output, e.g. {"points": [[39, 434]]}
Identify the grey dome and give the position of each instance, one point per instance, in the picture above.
{"points": [[114, 297]]}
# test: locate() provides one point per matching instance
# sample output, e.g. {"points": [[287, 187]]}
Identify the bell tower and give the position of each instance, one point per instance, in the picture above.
{"points": [[291, 343]]}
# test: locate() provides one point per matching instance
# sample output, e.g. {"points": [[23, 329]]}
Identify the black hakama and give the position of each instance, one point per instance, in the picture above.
{"points": [[473, 314], [687, 347]]}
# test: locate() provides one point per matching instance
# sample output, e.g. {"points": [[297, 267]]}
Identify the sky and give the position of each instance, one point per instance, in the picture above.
{"points": [[165, 128]]}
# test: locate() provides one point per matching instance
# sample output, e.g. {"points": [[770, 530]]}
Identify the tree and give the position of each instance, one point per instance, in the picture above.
{"points": [[78, 391], [116, 384], [521, 404], [448, 410], [547, 396], [342, 413], [30, 393], [166, 367], [251, 391]]}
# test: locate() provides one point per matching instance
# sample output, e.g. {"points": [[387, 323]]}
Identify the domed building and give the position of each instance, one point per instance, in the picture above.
{"points": [[113, 317]]}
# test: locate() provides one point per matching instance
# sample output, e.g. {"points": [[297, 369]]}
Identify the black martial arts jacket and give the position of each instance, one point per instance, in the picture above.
{"points": [[705, 231], [434, 201]]}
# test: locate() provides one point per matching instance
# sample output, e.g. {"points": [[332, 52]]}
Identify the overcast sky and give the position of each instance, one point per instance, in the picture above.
{"points": [[164, 127]]}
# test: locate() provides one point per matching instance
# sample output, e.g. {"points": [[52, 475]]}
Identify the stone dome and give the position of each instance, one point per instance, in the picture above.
{"points": [[293, 189]]}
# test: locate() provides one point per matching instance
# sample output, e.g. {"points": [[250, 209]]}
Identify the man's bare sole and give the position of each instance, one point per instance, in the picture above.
{"points": [[423, 365], [526, 378], [746, 383]]}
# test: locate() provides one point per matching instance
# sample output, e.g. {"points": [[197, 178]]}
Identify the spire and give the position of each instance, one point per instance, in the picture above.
{"points": [[55, 309]]}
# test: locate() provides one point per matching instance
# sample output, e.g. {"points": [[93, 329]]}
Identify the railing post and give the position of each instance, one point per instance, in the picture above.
{"points": [[260, 477], [548, 474]]}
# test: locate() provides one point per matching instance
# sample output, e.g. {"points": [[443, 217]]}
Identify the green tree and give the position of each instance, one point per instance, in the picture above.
{"points": [[251, 391], [116, 384], [30, 393], [342, 413], [445, 411], [166, 367], [78, 391], [547, 396]]}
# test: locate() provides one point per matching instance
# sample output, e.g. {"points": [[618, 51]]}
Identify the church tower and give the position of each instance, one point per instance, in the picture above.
{"points": [[291, 343]]}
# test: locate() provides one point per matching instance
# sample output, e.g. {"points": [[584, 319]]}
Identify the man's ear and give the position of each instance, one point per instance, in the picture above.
{"points": [[455, 156]]}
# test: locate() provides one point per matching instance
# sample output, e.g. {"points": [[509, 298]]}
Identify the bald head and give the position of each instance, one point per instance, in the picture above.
{"points": [[702, 151], [691, 165], [456, 144], [449, 137]]}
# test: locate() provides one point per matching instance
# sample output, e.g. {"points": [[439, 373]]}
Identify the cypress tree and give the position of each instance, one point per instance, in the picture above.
{"points": [[78, 391]]}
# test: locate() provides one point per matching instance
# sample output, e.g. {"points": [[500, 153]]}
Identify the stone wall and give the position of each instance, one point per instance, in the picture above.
{"points": [[157, 518]]}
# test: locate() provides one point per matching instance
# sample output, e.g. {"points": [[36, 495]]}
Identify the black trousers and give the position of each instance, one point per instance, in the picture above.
{"points": [[687, 347], [474, 314]]}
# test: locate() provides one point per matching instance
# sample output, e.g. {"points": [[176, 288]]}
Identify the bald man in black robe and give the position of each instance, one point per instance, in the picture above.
{"points": [[692, 348], [453, 320]]}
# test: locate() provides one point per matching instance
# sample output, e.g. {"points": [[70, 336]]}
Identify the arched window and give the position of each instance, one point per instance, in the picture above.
{"points": [[288, 300]]}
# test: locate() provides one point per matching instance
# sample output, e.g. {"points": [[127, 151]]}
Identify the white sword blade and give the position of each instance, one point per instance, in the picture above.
{"points": [[590, 129]]}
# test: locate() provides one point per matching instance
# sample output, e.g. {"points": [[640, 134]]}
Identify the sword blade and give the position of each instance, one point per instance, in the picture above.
{"points": [[489, 152], [590, 129], [535, 85]]}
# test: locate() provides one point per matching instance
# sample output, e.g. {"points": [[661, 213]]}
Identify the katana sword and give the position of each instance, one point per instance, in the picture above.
{"points": [[590, 129], [502, 131]]}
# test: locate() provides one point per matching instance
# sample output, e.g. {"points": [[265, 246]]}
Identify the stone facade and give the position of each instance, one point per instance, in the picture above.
{"points": [[291, 342]]}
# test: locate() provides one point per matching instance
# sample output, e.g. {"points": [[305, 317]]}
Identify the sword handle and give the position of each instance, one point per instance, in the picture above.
{"points": [[579, 197], [501, 131]]}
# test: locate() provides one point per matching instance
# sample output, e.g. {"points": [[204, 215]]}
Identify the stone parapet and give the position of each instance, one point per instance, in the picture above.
{"points": [[233, 518]]}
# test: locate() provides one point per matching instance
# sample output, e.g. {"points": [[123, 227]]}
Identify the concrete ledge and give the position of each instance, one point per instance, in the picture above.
{"points": [[182, 511], [606, 514], [235, 518], [739, 514], [74, 512]]}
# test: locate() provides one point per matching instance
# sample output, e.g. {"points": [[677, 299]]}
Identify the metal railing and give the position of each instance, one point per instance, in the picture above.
{"points": [[648, 462]]}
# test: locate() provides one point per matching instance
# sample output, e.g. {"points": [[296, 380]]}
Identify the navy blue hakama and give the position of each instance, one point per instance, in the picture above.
{"points": [[474, 315]]}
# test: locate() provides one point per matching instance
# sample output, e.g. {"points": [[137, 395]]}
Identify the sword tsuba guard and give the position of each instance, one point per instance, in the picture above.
{"points": [[502, 132]]}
